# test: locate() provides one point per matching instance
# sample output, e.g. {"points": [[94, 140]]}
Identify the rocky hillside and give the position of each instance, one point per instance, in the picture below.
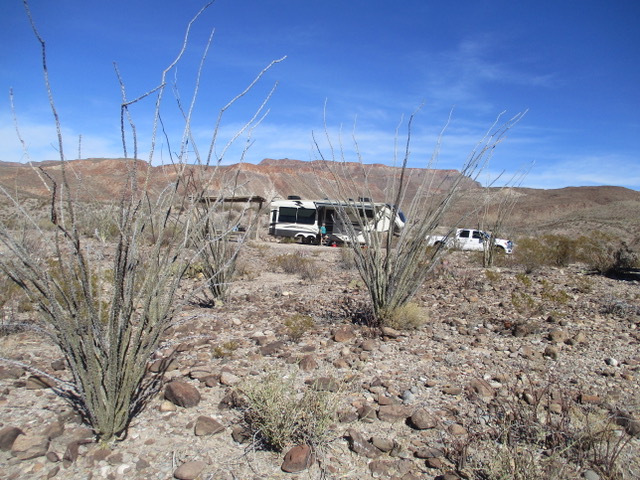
{"points": [[571, 210]]}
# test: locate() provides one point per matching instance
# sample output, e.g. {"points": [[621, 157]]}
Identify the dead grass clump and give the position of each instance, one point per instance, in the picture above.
{"points": [[537, 431], [298, 264], [279, 415], [410, 316]]}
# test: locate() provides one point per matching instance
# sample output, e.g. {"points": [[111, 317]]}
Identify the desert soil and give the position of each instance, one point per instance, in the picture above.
{"points": [[490, 339]]}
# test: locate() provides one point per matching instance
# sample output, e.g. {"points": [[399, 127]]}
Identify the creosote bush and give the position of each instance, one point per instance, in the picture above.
{"points": [[601, 252], [297, 326], [281, 416]]}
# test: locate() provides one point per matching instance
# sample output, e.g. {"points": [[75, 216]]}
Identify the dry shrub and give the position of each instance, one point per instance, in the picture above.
{"points": [[410, 316], [279, 415], [539, 431], [298, 264], [605, 254], [297, 326]]}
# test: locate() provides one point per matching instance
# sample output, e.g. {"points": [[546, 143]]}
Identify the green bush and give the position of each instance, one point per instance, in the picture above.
{"points": [[297, 326], [605, 254]]}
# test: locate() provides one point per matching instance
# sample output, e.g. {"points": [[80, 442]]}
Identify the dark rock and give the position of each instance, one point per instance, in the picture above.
{"points": [[297, 459], [189, 470], [36, 382], [207, 426], [383, 444], [390, 468], [272, 348], [627, 421], [59, 364], [450, 390], [27, 446], [422, 420], [366, 413], [182, 394], [429, 452], [240, 434], [8, 436], [394, 413], [344, 334], [308, 363], [359, 445]]}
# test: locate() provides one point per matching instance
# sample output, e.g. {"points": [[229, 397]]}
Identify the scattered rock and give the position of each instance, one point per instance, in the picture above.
{"points": [[190, 470], [297, 459], [359, 445], [27, 446], [422, 419], [627, 421], [182, 394], [229, 379], [344, 334], [272, 348], [7, 437], [394, 413], [207, 426], [308, 363]]}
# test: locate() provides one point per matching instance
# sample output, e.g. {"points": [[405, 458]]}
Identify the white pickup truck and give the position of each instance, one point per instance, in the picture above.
{"points": [[469, 239]]}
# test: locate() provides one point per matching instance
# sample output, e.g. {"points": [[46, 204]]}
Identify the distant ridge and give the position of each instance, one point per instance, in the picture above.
{"points": [[573, 210]]}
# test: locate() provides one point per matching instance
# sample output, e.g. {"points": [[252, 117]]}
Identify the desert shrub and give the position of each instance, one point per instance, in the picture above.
{"points": [[548, 250], [551, 294], [225, 349], [279, 415], [539, 431], [597, 251], [524, 303], [347, 259], [531, 254], [410, 316], [524, 279], [298, 264], [492, 276], [297, 326], [606, 255]]}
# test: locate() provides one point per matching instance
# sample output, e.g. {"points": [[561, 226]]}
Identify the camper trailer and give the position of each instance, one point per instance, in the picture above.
{"points": [[325, 221]]}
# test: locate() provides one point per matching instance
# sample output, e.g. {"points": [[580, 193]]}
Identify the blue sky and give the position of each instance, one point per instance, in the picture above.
{"points": [[364, 65]]}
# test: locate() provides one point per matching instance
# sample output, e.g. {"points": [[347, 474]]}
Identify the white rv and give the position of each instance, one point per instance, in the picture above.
{"points": [[304, 220]]}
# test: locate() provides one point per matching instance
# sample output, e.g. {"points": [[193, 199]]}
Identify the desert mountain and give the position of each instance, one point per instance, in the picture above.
{"points": [[571, 210]]}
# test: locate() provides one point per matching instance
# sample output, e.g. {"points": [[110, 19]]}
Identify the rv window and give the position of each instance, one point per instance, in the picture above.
{"points": [[287, 214], [306, 216]]}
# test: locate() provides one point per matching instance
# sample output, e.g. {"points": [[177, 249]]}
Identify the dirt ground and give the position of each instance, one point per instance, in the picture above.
{"points": [[495, 341]]}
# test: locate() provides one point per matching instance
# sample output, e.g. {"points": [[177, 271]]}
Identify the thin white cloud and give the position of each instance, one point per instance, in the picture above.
{"points": [[41, 142]]}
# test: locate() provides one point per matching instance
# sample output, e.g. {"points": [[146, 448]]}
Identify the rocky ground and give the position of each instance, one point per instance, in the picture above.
{"points": [[557, 350]]}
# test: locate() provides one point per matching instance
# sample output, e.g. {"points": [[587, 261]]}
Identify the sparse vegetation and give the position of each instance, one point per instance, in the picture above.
{"points": [[299, 264], [280, 416], [393, 265], [296, 326], [410, 316], [109, 321]]}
